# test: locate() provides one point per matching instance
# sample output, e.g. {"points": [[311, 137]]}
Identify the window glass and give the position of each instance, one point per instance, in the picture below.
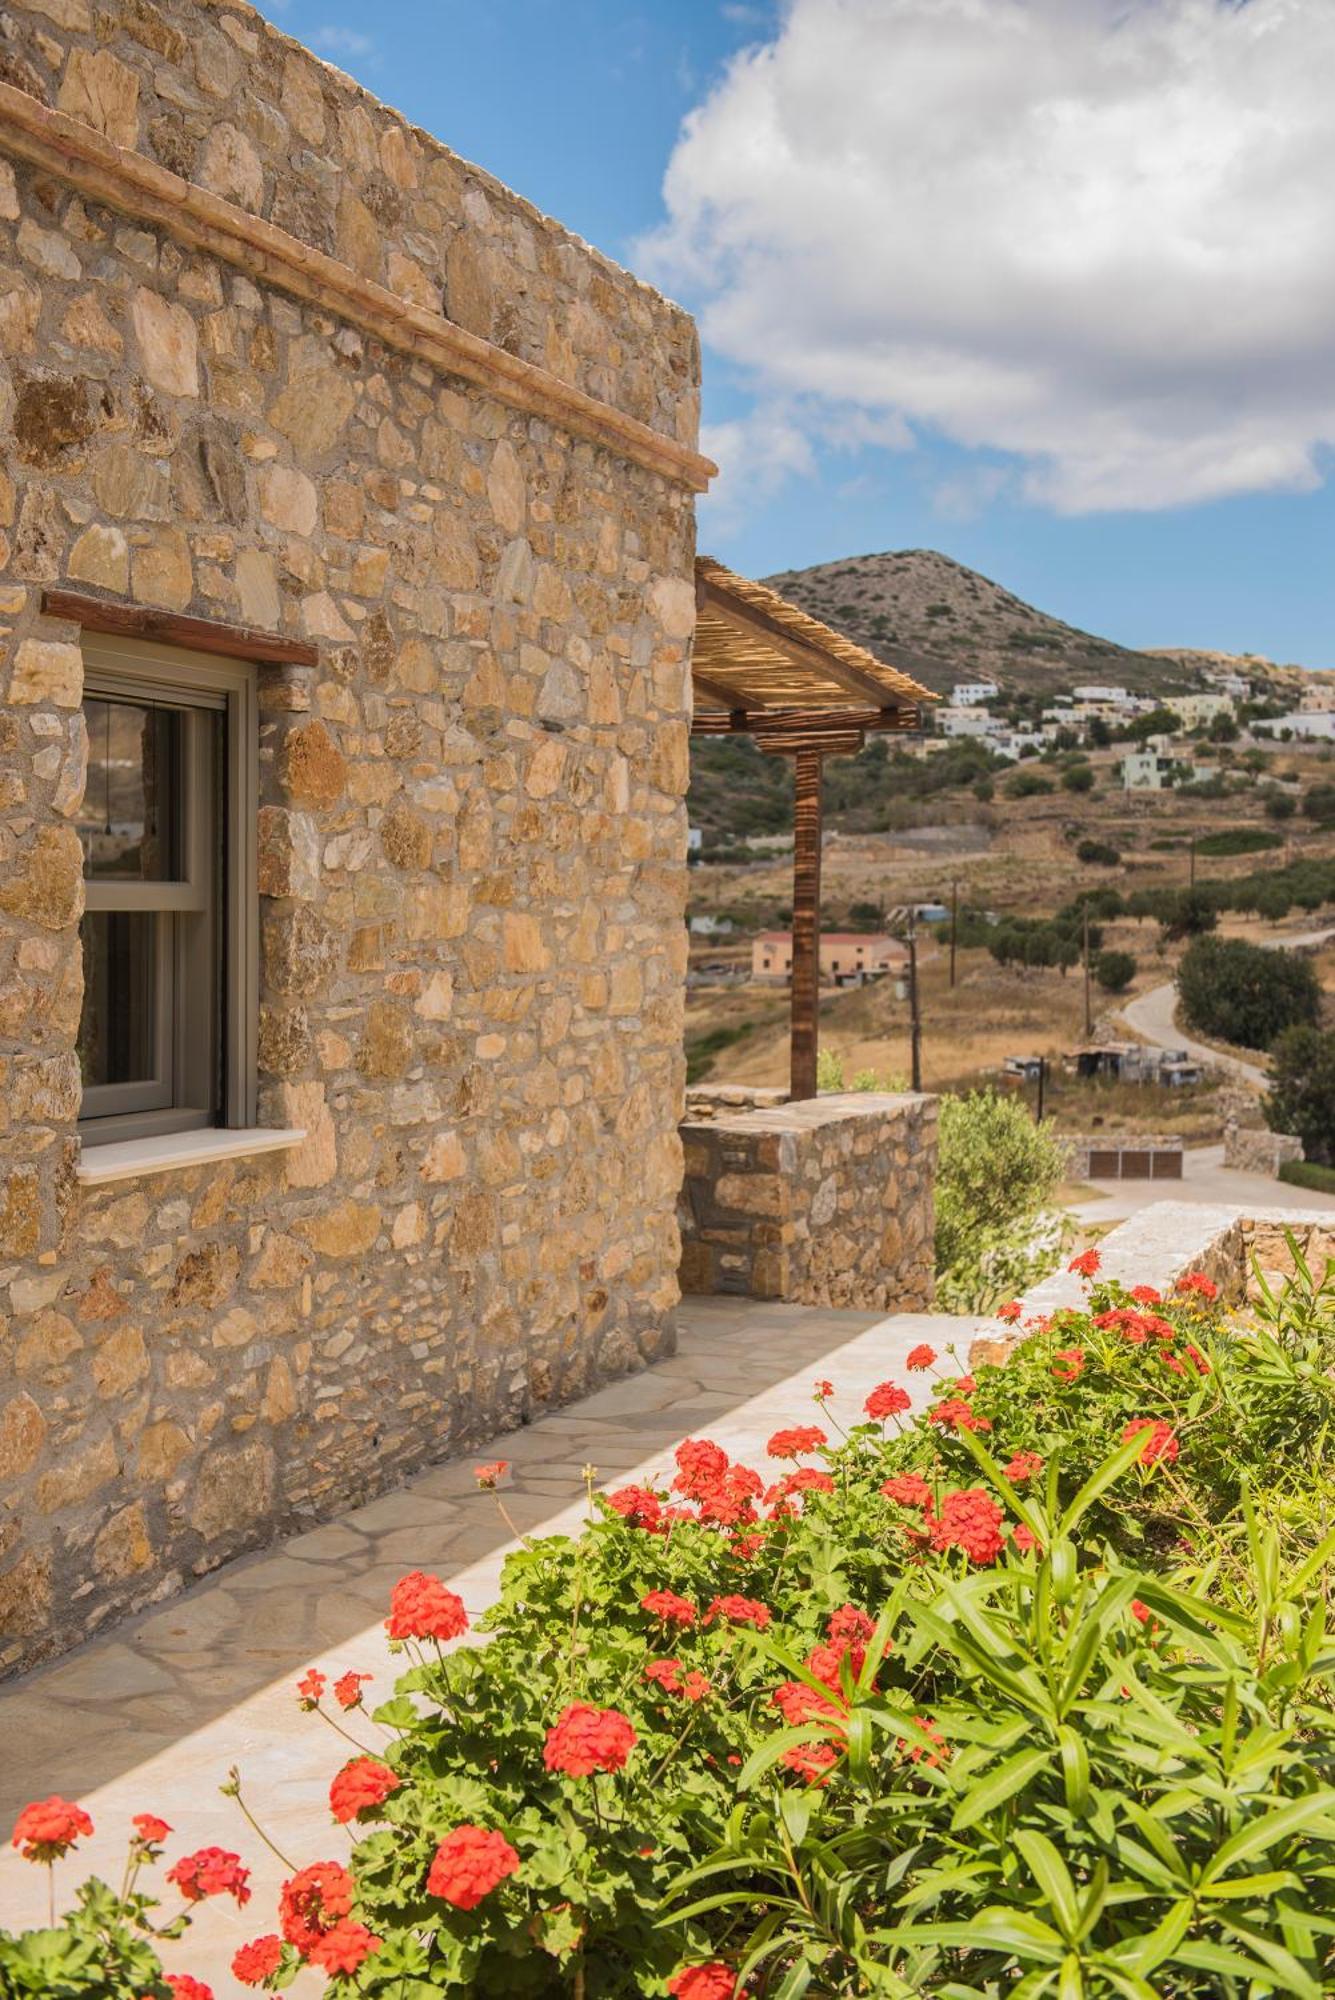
{"points": [[130, 823], [118, 1029]]}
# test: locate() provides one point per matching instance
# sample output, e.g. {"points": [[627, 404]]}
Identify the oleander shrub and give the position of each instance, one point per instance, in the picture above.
{"points": [[1028, 1693], [997, 1172]]}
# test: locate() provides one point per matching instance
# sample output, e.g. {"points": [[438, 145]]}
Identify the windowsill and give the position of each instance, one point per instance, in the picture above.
{"points": [[127, 1159]]}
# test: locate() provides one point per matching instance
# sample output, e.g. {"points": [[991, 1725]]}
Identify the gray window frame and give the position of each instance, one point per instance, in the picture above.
{"points": [[208, 1000]]}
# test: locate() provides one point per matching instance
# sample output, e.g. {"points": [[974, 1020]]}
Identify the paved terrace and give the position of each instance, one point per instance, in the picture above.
{"points": [[152, 1717]]}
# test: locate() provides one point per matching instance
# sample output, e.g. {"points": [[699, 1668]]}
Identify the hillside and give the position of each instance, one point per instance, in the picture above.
{"points": [[945, 623]]}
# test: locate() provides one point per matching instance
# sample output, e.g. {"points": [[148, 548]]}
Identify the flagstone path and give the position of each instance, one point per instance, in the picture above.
{"points": [[151, 1718]]}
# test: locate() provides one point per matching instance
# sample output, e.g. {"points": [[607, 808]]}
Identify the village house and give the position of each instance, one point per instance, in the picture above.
{"points": [[847, 958]]}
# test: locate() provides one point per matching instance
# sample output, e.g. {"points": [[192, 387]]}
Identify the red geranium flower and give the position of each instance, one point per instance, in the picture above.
{"points": [[348, 1689], [310, 1687], [211, 1871], [343, 1948], [917, 1753], [1025, 1538], [48, 1828], [185, 1988], [636, 1504], [360, 1787], [1024, 1465], [806, 1479], [469, 1863], [729, 1501], [851, 1623], [420, 1607], [965, 1386], [1161, 1442], [823, 1391], [739, 1611], [907, 1489], [666, 1604], [1086, 1264], [921, 1356], [585, 1739], [667, 1674], [313, 1902], [1141, 1611], [1197, 1359], [800, 1704], [1068, 1364], [1197, 1282], [1145, 1295], [794, 1442], [149, 1829], [887, 1399], [488, 1476], [955, 1414], [700, 1466], [714, 1981], [258, 1961], [1010, 1312], [970, 1520], [811, 1761]]}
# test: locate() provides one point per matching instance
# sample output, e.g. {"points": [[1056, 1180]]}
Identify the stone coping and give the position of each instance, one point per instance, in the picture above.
{"points": [[809, 1114]]}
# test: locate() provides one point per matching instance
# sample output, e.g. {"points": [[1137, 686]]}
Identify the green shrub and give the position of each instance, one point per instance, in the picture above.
{"points": [[1097, 853], [1114, 970], [1279, 805], [1237, 840], [1319, 803], [1027, 785], [1080, 778], [1187, 913], [1241, 993], [1308, 1174], [1302, 1090], [996, 1175]]}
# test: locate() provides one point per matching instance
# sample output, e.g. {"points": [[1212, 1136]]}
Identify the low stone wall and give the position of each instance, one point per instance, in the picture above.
{"points": [[1163, 1242], [824, 1202], [1254, 1149]]}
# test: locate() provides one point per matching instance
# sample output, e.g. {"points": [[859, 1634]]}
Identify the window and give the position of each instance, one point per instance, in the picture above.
{"points": [[169, 934]]}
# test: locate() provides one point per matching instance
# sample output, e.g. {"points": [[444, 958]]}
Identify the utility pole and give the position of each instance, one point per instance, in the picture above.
{"points": [[1089, 1018], [1192, 849], [915, 1019], [954, 921], [1042, 1079]]}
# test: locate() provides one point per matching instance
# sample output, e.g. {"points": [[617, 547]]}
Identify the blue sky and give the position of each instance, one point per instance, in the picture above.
{"points": [[579, 105]]}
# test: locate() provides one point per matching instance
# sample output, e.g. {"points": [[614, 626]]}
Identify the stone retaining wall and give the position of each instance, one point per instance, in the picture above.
{"points": [[824, 1202], [472, 833], [1256, 1150]]}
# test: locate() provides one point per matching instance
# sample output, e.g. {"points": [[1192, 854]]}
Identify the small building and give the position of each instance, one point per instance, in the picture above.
{"points": [[1198, 711], [847, 958], [970, 721], [1148, 771], [1117, 697], [967, 694], [1316, 725], [1022, 1069], [695, 839], [705, 925]]}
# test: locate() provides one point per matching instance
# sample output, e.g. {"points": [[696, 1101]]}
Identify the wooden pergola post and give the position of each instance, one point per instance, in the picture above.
{"points": [[805, 989]]}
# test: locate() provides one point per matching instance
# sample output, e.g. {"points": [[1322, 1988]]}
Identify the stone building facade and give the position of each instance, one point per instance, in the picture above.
{"points": [[275, 361]]}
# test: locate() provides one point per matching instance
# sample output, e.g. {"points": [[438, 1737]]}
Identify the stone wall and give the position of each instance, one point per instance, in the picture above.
{"points": [[472, 835], [1256, 1150], [823, 1202]]}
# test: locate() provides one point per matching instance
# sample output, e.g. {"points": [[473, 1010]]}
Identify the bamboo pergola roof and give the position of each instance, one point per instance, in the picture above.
{"points": [[760, 658]]}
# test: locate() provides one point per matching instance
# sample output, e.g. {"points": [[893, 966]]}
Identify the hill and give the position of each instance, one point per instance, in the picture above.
{"points": [[944, 623]]}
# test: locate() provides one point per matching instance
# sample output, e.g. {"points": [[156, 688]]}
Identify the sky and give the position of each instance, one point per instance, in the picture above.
{"points": [[1042, 284]]}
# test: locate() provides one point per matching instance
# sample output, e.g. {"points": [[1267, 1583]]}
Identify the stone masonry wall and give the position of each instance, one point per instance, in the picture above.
{"points": [[824, 1202], [472, 834], [1255, 1150]]}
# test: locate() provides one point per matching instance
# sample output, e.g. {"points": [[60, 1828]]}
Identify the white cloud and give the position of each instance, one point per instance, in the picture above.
{"points": [[334, 41], [756, 455], [1095, 234]]}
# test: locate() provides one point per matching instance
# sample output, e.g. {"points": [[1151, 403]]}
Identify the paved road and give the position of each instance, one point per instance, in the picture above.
{"points": [[1205, 1180], [1152, 1016]]}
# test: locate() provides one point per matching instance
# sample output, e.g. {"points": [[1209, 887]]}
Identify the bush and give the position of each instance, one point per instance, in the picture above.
{"points": [[1187, 913], [1279, 805], [1035, 1687], [1080, 778], [1027, 785], [1114, 970], [1242, 993], [1097, 854], [996, 1174], [1237, 840], [1302, 1090], [1319, 803], [1308, 1174]]}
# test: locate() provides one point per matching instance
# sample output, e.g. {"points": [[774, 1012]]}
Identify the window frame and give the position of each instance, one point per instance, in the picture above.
{"points": [[213, 1034]]}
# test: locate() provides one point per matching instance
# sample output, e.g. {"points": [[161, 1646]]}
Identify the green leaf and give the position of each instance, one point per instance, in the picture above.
{"points": [[1051, 1874], [1003, 1782]]}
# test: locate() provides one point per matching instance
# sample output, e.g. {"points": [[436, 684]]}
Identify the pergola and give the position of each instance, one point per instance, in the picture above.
{"points": [[763, 668]]}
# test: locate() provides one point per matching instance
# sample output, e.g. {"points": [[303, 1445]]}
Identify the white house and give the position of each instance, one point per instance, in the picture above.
{"points": [[1147, 771], [1197, 711], [972, 721], [965, 694], [1316, 725], [1119, 697]]}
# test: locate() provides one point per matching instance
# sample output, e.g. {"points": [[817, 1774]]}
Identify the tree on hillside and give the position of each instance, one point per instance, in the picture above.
{"points": [[1302, 1097], [1241, 993], [1080, 778], [1114, 970], [1190, 913]]}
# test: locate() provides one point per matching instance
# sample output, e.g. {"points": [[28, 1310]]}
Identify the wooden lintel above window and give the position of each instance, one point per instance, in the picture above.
{"points": [[171, 628]]}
